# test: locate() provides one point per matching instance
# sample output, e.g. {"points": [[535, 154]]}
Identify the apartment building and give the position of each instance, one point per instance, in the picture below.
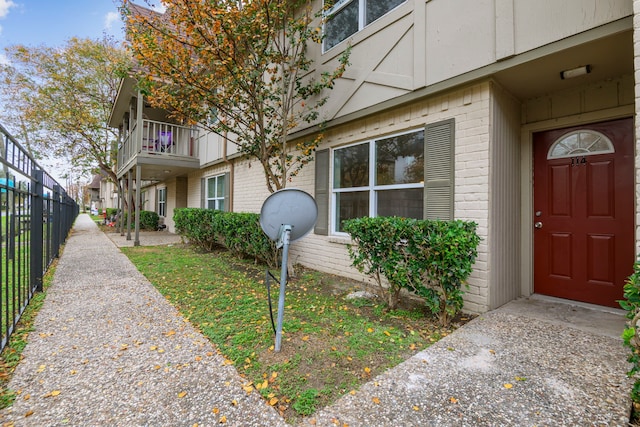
{"points": [[515, 114]]}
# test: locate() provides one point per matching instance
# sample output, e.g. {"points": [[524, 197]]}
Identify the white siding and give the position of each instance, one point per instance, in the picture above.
{"points": [[504, 226]]}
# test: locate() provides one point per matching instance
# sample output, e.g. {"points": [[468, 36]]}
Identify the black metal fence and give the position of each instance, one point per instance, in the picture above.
{"points": [[36, 215]]}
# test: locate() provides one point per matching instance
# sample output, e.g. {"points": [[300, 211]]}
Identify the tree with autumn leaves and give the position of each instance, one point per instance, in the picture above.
{"points": [[240, 69], [58, 100]]}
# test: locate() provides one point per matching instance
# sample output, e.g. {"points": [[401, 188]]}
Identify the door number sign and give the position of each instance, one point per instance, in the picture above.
{"points": [[579, 161]]}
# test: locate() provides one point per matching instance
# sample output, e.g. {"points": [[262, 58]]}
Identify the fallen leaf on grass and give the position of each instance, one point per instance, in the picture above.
{"points": [[273, 401]]}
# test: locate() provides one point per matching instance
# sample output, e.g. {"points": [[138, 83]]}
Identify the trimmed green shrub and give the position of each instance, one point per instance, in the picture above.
{"points": [[239, 232], [149, 220], [631, 334], [197, 225], [429, 258]]}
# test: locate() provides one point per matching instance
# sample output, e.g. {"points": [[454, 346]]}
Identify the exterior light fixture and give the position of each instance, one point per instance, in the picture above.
{"points": [[575, 72], [166, 171]]}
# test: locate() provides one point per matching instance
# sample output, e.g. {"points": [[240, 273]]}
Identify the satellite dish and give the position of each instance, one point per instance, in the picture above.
{"points": [[286, 215], [288, 206]]}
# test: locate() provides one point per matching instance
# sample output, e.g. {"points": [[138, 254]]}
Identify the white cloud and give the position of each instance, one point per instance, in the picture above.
{"points": [[5, 5], [109, 19], [160, 7]]}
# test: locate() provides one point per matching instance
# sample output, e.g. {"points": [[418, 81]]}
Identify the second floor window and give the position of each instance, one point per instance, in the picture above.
{"points": [[347, 17], [215, 193]]}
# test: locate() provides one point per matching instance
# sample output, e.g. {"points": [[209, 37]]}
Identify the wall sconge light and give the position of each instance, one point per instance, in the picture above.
{"points": [[575, 72]]}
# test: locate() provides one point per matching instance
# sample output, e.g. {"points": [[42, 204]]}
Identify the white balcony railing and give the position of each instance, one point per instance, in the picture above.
{"points": [[158, 139]]}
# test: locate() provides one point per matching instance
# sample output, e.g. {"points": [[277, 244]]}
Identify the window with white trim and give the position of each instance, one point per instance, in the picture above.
{"points": [[162, 201], [215, 192], [381, 177], [346, 17], [582, 142]]}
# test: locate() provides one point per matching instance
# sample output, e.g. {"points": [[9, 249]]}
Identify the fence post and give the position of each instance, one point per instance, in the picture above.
{"points": [[55, 221], [36, 235]]}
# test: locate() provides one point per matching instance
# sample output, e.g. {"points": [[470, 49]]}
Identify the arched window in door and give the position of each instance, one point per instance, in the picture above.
{"points": [[582, 142]]}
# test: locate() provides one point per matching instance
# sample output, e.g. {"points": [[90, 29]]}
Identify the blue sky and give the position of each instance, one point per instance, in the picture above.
{"points": [[53, 22]]}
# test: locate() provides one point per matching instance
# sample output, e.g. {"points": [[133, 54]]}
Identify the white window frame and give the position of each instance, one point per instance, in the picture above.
{"points": [[362, 18], [162, 201], [372, 188], [581, 150], [217, 199]]}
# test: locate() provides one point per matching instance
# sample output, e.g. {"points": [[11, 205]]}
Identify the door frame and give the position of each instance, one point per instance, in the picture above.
{"points": [[526, 180]]}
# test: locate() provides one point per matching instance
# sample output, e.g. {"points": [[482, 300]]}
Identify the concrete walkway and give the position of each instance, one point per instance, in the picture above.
{"points": [[109, 350]]}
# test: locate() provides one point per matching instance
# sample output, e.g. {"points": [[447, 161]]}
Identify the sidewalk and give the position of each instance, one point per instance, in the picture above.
{"points": [[109, 350]]}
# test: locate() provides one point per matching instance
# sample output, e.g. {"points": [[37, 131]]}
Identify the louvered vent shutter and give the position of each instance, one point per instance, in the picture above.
{"points": [[439, 170], [203, 189], [227, 192], [322, 192]]}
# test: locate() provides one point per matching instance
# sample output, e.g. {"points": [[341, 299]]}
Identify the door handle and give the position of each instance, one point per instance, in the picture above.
{"points": [[538, 224]]}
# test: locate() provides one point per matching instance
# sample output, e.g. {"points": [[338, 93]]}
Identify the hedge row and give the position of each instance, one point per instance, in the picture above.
{"points": [[429, 258], [149, 220], [240, 233], [631, 334]]}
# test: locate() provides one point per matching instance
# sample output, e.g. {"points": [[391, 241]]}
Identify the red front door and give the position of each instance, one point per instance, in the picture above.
{"points": [[583, 211]]}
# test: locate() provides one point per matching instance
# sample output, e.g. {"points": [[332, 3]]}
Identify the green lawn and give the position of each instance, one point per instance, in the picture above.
{"points": [[330, 345]]}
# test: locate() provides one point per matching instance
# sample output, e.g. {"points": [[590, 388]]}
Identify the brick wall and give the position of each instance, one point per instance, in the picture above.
{"points": [[470, 109]]}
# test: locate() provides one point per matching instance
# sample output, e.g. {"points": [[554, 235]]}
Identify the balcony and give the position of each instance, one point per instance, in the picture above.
{"points": [[163, 150]]}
